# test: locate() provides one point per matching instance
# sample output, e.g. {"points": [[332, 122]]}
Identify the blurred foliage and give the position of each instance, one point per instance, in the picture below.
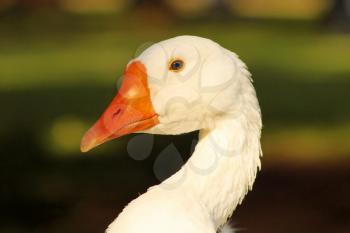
{"points": [[73, 62], [192, 8], [306, 9], [88, 6]]}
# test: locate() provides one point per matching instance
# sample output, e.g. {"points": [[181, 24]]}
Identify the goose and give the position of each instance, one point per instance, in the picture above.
{"points": [[183, 84]]}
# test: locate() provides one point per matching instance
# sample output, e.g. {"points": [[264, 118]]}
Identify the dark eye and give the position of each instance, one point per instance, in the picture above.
{"points": [[176, 65]]}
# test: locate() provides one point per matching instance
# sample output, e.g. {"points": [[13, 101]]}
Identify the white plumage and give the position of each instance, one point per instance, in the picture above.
{"points": [[213, 93]]}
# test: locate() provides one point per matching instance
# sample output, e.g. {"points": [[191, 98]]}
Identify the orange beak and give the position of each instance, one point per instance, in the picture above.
{"points": [[130, 111]]}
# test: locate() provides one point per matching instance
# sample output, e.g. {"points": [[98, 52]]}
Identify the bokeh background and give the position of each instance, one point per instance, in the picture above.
{"points": [[59, 64]]}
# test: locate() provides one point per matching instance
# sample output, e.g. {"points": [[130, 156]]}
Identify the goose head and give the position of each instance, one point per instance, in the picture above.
{"points": [[175, 86]]}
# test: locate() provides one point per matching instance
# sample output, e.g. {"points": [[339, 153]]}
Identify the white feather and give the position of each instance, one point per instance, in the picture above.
{"points": [[227, 228], [214, 94]]}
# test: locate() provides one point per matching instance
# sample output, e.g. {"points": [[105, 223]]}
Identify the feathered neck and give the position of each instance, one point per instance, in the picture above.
{"points": [[223, 166]]}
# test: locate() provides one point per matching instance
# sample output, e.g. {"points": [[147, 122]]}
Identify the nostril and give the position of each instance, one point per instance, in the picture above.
{"points": [[117, 113]]}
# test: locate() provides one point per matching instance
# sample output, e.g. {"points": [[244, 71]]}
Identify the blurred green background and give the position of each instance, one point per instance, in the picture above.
{"points": [[59, 64]]}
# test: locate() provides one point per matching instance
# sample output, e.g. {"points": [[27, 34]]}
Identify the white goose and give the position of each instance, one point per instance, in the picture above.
{"points": [[176, 86]]}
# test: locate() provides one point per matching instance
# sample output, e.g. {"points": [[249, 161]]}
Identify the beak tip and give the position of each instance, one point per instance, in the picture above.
{"points": [[86, 144], [84, 149]]}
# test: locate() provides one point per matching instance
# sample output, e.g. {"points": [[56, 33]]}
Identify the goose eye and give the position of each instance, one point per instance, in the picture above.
{"points": [[176, 65]]}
